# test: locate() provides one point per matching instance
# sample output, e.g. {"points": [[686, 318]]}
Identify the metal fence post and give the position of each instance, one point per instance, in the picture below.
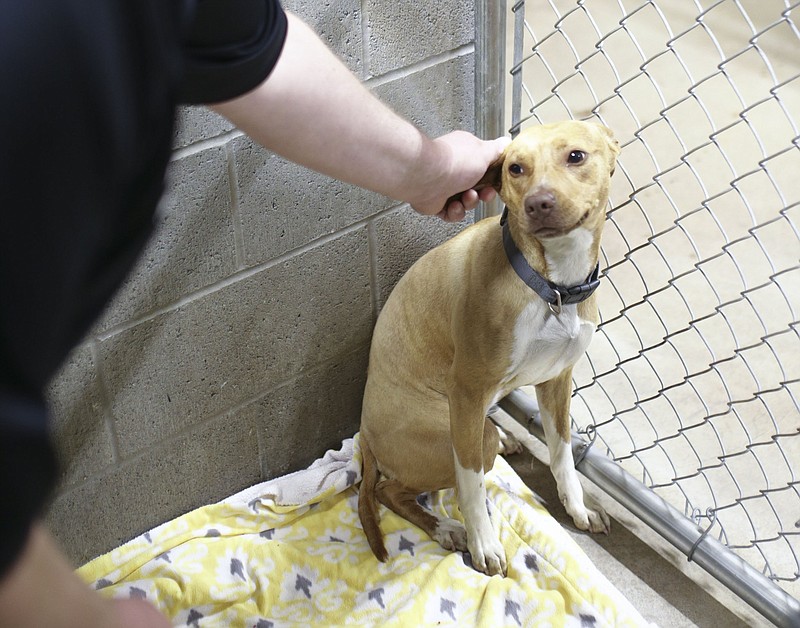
{"points": [[490, 61]]}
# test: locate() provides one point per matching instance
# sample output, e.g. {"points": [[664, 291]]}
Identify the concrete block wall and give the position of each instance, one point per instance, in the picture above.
{"points": [[237, 350]]}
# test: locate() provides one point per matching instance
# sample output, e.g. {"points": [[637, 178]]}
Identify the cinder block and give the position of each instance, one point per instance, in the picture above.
{"points": [[195, 123], [402, 33], [229, 346], [338, 23], [193, 245], [203, 466], [284, 206], [301, 420], [401, 238], [438, 99], [78, 428]]}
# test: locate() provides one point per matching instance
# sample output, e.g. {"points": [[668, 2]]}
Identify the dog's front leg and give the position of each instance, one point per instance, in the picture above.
{"points": [[467, 419], [554, 399]]}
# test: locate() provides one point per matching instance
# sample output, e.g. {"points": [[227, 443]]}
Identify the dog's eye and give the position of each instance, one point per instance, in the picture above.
{"points": [[515, 169], [576, 157]]}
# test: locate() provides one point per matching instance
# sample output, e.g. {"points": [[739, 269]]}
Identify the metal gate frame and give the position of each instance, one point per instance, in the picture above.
{"points": [[689, 538]]}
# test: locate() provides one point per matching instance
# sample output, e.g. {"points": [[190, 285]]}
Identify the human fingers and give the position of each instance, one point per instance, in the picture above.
{"points": [[487, 194], [454, 212]]}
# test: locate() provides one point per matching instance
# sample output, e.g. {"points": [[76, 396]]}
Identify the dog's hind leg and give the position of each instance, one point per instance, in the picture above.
{"points": [[554, 398], [449, 533]]}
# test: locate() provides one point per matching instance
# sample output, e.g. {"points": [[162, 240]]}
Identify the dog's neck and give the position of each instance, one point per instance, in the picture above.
{"points": [[566, 260]]}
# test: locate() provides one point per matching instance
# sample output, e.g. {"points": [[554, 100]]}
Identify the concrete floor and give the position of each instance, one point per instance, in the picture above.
{"points": [[661, 584]]}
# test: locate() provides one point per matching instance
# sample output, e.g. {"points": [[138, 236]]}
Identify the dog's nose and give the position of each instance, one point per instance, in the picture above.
{"points": [[540, 204]]}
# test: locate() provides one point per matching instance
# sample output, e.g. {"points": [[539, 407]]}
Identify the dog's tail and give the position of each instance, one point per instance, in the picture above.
{"points": [[367, 504]]}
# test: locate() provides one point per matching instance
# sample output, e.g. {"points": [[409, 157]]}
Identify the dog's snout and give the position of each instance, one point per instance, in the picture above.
{"points": [[540, 203]]}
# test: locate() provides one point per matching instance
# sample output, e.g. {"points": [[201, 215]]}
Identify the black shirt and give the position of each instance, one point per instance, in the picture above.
{"points": [[89, 93]]}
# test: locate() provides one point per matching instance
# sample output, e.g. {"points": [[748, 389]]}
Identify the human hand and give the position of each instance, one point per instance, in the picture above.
{"points": [[448, 189], [41, 589], [457, 206]]}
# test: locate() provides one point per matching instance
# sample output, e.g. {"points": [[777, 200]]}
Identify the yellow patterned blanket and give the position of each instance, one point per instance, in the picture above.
{"points": [[291, 552]]}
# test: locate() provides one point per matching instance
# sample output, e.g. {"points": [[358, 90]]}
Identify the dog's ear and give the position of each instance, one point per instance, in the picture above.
{"points": [[493, 177], [613, 146]]}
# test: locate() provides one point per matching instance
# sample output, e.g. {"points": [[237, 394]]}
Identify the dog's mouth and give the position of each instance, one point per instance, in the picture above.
{"points": [[547, 231]]}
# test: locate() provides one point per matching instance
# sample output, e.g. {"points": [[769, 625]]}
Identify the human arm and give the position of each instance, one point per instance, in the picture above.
{"points": [[315, 112]]}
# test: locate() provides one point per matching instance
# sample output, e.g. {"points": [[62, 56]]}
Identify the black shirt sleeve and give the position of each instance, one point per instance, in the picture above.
{"points": [[230, 48]]}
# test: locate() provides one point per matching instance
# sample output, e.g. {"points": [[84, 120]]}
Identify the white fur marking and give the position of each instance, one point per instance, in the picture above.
{"points": [[568, 256], [471, 494], [488, 554], [570, 491], [545, 344], [562, 467]]}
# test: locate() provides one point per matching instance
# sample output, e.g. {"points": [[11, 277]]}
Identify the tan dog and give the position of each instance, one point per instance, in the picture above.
{"points": [[462, 329]]}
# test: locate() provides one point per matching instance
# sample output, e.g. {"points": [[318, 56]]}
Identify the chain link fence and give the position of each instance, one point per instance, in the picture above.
{"points": [[692, 382]]}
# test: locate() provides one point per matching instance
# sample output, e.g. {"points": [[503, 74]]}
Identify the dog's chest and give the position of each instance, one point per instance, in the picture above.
{"points": [[544, 344]]}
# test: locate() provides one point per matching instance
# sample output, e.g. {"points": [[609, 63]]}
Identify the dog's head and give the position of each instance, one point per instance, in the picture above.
{"points": [[554, 178]]}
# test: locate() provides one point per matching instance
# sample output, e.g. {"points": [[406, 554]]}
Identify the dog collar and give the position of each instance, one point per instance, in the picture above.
{"points": [[556, 296]]}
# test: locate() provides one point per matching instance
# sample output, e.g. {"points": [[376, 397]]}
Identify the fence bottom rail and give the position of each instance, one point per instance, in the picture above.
{"points": [[693, 541]]}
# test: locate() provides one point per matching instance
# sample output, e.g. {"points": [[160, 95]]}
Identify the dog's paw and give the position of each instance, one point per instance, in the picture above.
{"points": [[451, 535], [592, 520], [488, 555], [508, 443], [599, 521]]}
